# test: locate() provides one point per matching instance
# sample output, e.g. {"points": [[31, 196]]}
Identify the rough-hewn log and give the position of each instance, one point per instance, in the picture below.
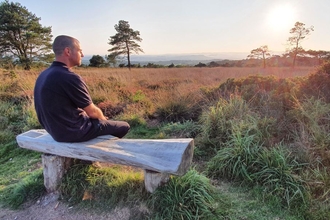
{"points": [[54, 167], [172, 156], [154, 179]]}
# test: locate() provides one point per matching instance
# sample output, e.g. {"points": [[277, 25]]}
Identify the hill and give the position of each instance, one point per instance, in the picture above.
{"points": [[178, 59]]}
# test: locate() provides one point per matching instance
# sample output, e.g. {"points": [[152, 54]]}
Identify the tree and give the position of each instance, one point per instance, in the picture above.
{"points": [[200, 65], [21, 34], [260, 53], [319, 55], [298, 34], [97, 61], [124, 41], [171, 65], [213, 64], [6, 61], [111, 59]]}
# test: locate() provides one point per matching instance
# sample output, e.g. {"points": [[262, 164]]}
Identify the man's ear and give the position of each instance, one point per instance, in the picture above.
{"points": [[67, 51]]}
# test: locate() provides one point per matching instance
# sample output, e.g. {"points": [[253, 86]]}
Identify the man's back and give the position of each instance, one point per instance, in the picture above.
{"points": [[60, 95]]}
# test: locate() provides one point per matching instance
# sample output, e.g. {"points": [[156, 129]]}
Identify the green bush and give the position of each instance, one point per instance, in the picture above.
{"points": [[186, 129], [178, 108], [318, 183], [278, 172], [188, 197], [317, 84], [216, 122], [16, 119], [235, 161], [311, 129], [324, 68], [223, 121]]}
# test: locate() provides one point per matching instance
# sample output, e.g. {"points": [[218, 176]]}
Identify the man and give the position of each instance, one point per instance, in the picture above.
{"points": [[62, 101]]}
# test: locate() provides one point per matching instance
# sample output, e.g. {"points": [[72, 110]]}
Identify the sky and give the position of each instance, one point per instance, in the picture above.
{"points": [[187, 26]]}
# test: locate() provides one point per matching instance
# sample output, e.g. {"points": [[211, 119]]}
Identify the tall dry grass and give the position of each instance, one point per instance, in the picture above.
{"points": [[185, 78], [141, 91], [197, 77]]}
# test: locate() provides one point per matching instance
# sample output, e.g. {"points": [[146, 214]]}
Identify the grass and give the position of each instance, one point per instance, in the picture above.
{"points": [[20, 175], [247, 203], [189, 197], [278, 172], [264, 130], [109, 186]]}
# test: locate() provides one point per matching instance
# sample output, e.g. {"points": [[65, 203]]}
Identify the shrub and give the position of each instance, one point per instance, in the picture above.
{"points": [[273, 169], [186, 129], [216, 121], [138, 96], [134, 120], [110, 110], [324, 68], [235, 161], [311, 129], [269, 94], [30, 118], [317, 84], [222, 121], [278, 172], [188, 197], [318, 183], [178, 108]]}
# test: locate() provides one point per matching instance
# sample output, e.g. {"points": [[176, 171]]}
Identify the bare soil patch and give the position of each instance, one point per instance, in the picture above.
{"points": [[50, 208]]}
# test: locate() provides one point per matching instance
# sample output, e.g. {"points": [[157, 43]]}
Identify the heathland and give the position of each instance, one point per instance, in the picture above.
{"points": [[262, 143]]}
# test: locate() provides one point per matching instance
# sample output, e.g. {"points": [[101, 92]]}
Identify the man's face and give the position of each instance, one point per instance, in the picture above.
{"points": [[76, 55]]}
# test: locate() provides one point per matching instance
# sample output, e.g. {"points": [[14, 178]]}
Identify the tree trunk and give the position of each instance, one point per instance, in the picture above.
{"points": [[294, 60], [128, 57], [264, 59]]}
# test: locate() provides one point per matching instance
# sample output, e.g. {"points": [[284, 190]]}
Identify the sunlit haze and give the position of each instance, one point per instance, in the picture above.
{"points": [[281, 17], [187, 26]]}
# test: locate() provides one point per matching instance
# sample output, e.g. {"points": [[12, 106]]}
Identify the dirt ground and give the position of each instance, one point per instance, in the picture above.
{"points": [[50, 208]]}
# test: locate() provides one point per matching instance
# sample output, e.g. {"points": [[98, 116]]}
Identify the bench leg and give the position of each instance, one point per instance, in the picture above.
{"points": [[154, 179], [54, 167]]}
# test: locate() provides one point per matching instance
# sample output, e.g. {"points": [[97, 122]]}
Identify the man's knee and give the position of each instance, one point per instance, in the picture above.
{"points": [[124, 129]]}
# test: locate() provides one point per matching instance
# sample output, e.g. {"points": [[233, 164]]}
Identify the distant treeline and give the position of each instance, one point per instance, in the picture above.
{"points": [[274, 61]]}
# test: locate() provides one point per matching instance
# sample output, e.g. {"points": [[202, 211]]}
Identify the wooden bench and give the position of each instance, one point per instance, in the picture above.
{"points": [[158, 158]]}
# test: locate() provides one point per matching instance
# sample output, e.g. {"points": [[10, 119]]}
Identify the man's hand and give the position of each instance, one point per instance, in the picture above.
{"points": [[83, 113]]}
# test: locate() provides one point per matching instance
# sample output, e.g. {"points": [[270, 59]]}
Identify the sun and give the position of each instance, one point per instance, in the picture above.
{"points": [[281, 17]]}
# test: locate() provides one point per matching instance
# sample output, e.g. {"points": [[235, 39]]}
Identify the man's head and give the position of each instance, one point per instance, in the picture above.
{"points": [[67, 50]]}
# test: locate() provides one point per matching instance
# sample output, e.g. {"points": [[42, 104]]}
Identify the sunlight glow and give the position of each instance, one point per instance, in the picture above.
{"points": [[281, 17]]}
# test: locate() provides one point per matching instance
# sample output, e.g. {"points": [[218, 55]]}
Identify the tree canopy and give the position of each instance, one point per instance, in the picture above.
{"points": [[97, 61], [124, 41], [260, 53], [298, 34], [22, 36]]}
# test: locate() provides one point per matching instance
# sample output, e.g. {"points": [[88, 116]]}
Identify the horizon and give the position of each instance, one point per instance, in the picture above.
{"points": [[222, 56], [185, 56]]}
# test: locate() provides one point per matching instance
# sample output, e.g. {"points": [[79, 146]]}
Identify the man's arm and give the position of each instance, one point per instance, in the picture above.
{"points": [[94, 112]]}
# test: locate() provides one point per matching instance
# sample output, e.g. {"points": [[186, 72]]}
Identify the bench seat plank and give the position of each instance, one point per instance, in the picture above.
{"points": [[172, 156]]}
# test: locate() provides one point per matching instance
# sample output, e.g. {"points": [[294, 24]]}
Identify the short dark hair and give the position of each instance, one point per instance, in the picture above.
{"points": [[61, 42]]}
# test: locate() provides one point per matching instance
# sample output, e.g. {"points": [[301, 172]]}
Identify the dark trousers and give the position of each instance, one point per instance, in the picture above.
{"points": [[105, 127]]}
